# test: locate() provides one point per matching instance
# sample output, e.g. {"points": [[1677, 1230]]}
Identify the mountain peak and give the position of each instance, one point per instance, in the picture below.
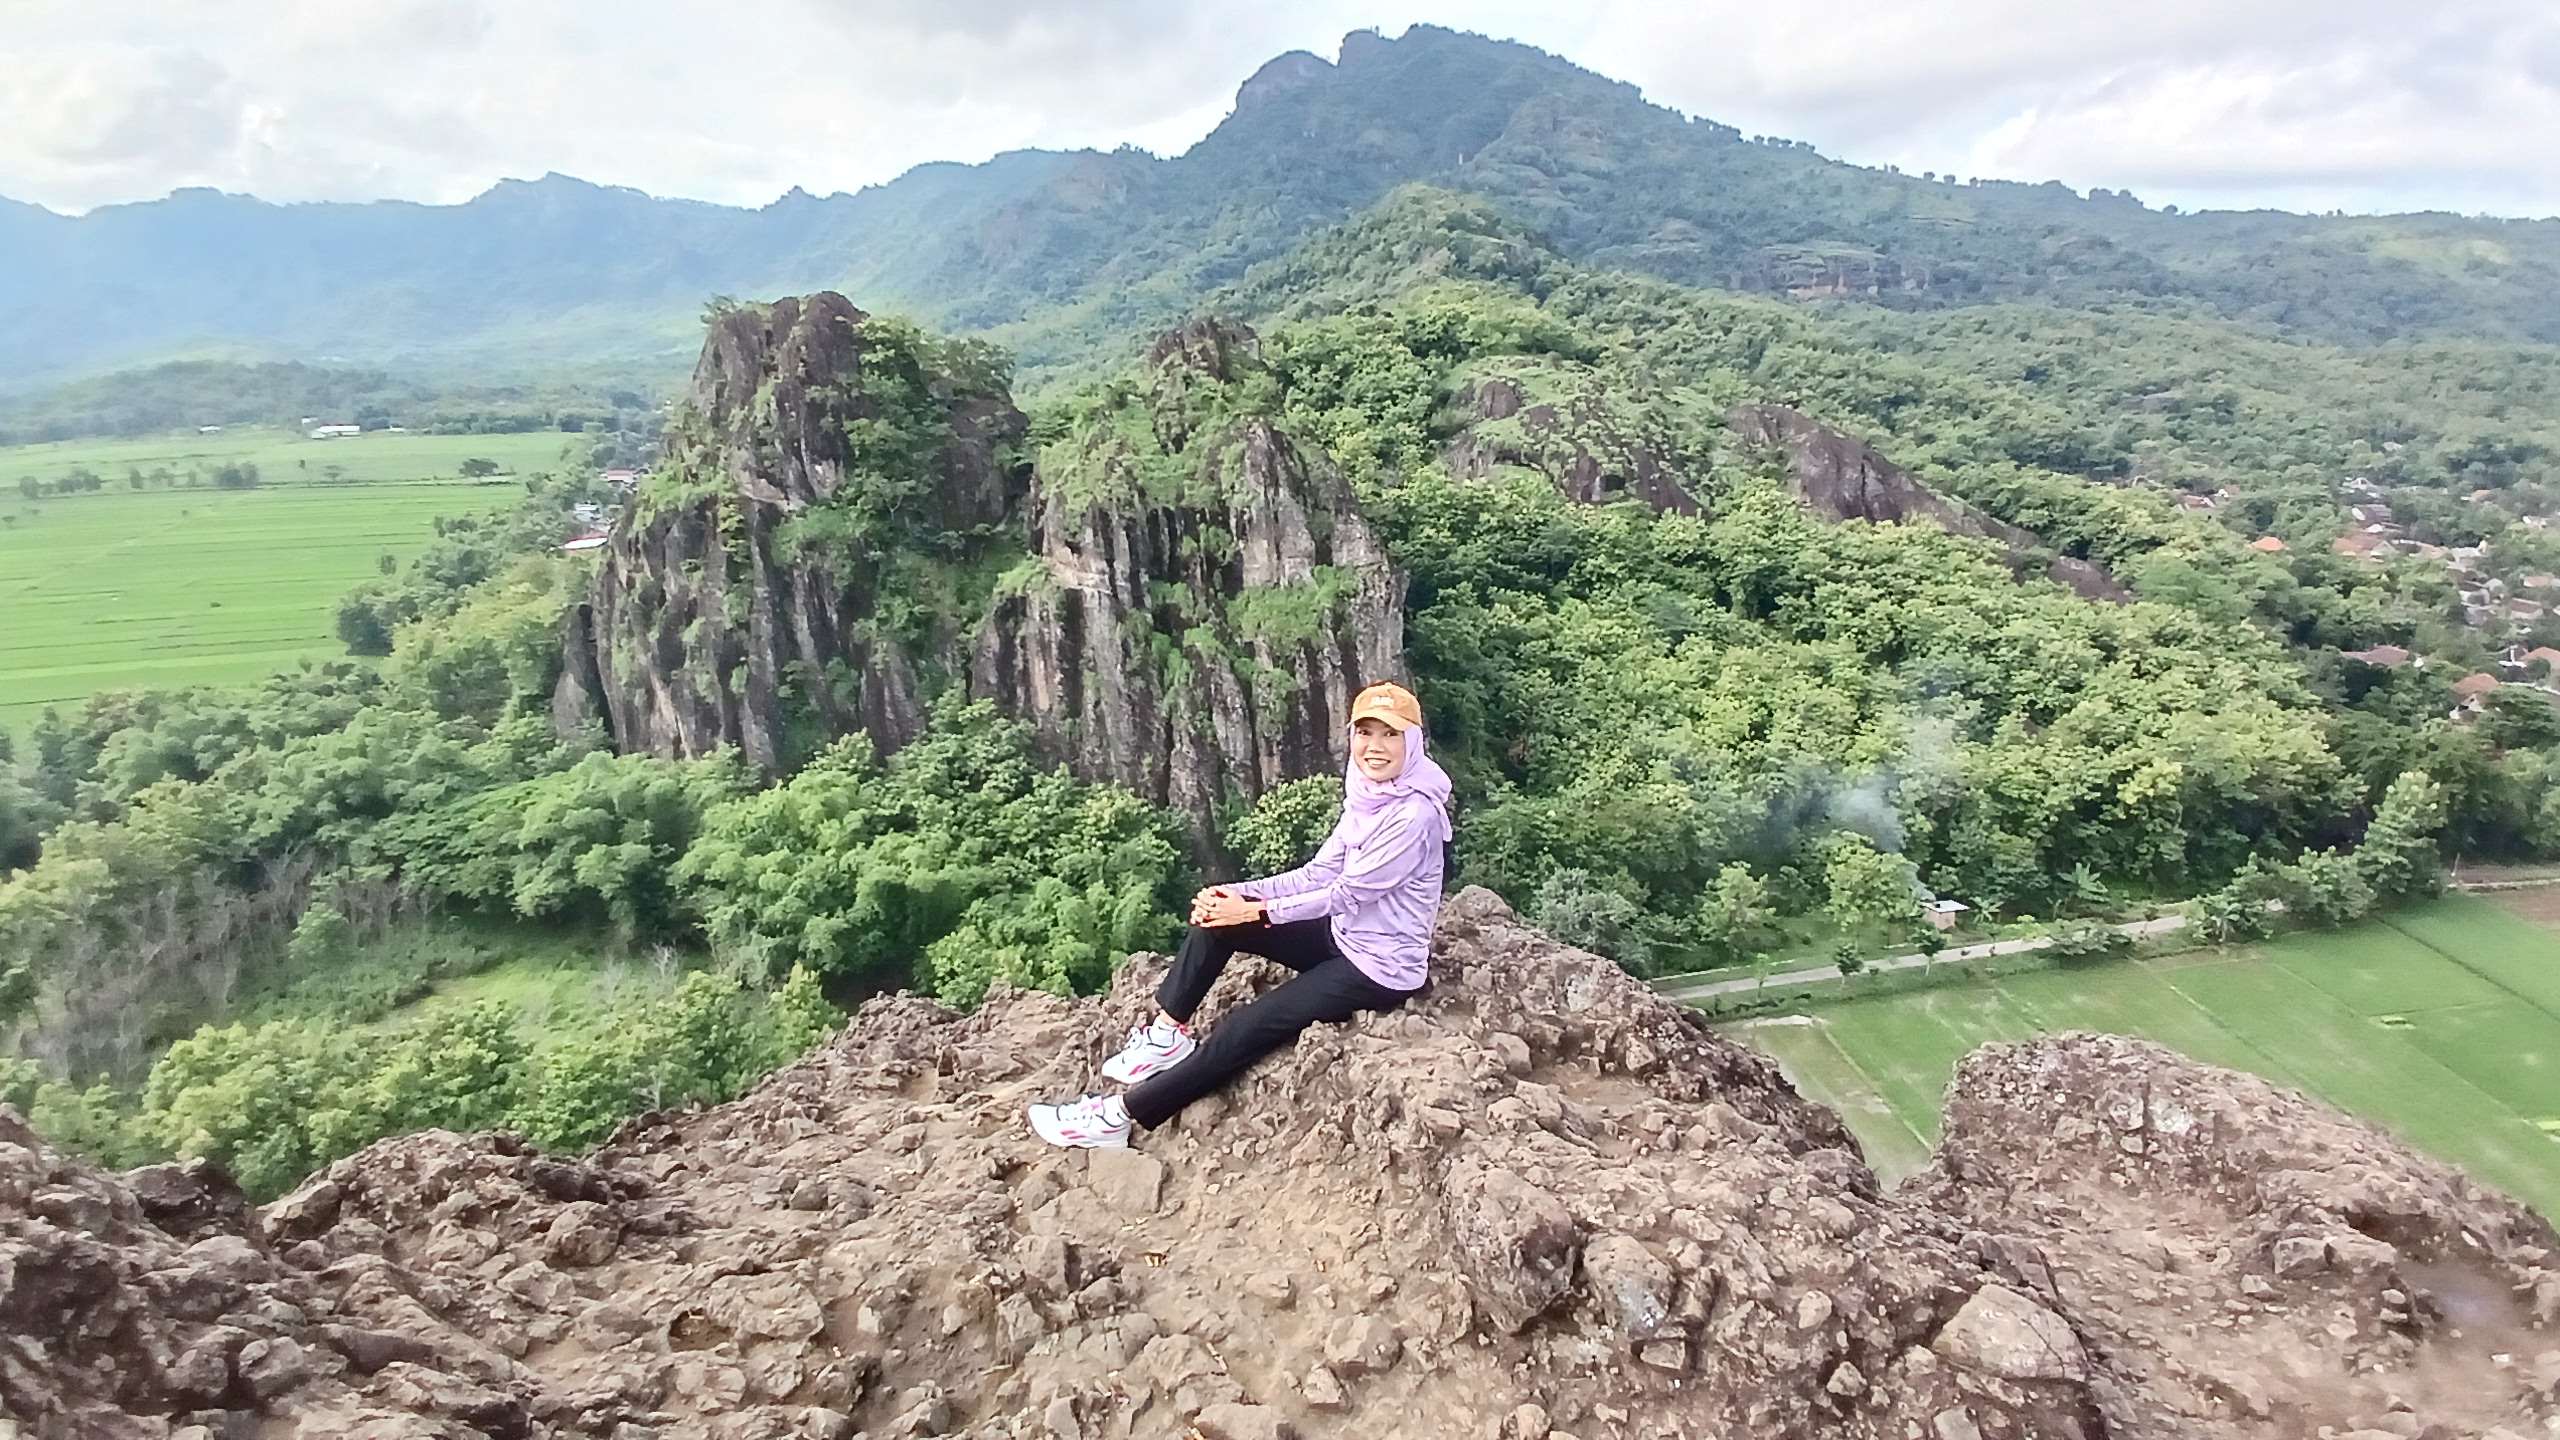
{"points": [[1282, 73]]}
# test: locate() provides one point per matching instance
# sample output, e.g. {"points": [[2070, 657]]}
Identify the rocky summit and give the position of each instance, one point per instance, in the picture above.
{"points": [[1540, 1203]]}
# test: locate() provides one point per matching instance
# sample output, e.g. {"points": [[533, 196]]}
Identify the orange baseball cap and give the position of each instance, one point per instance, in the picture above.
{"points": [[1387, 701]]}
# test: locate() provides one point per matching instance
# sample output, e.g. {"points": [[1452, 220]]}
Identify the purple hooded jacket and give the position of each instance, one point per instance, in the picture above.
{"points": [[1378, 874]]}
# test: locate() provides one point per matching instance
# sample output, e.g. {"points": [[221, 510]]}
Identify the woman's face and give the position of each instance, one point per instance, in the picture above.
{"points": [[1377, 748]]}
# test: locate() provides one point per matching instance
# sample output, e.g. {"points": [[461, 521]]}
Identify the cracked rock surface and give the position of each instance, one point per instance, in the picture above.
{"points": [[1538, 1202]]}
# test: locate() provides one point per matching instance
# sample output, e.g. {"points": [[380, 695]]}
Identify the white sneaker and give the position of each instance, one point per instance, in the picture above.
{"points": [[1087, 1123], [1151, 1048]]}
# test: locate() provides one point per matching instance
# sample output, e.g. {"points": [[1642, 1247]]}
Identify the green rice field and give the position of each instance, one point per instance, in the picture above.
{"points": [[2440, 1024], [126, 588], [283, 457]]}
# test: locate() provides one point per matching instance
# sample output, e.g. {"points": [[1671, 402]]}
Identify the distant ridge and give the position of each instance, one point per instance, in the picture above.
{"points": [[1063, 255]]}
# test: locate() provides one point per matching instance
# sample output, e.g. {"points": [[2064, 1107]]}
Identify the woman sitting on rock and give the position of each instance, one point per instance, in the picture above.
{"points": [[1355, 923]]}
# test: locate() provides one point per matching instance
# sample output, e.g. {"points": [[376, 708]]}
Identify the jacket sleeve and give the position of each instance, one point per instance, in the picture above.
{"points": [[1393, 852], [1319, 871]]}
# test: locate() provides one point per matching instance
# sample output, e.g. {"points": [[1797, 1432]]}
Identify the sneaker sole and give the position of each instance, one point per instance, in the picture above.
{"points": [[1065, 1141]]}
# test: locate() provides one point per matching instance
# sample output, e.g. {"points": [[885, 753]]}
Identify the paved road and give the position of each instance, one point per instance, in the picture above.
{"points": [[1676, 989]]}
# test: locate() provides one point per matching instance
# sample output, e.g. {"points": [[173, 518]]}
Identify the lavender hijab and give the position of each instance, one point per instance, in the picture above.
{"points": [[1369, 800], [1378, 874]]}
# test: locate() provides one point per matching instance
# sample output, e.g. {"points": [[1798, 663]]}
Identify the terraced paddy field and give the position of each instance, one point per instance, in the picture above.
{"points": [[2441, 1024], [196, 587]]}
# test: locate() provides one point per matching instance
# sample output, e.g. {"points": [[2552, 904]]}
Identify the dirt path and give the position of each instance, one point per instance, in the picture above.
{"points": [[1676, 989]]}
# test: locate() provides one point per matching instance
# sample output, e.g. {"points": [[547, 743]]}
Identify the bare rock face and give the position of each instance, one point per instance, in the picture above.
{"points": [[1536, 1201], [1843, 478], [713, 623], [1199, 639], [2238, 1260], [138, 1306]]}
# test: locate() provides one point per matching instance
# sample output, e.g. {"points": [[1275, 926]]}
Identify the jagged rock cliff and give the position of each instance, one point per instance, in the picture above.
{"points": [[1846, 479], [843, 528], [730, 611], [1201, 639], [1540, 1203]]}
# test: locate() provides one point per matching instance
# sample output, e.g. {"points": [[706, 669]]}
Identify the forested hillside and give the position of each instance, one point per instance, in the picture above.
{"points": [[1068, 258]]}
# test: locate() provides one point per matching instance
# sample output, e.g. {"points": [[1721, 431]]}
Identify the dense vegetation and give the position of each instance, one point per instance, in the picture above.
{"points": [[178, 852]]}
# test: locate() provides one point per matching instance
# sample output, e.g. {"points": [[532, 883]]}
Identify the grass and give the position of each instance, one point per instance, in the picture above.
{"points": [[2440, 1024], [130, 588], [537, 971]]}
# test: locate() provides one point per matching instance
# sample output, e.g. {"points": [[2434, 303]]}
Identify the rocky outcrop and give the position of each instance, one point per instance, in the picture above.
{"points": [[1843, 478], [2238, 1260], [1568, 426], [733, 606], [1538, 1201], [1196, 640], [1190, 622]]}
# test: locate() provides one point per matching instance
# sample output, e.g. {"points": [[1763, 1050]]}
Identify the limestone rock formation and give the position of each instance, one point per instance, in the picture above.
{"points": [[1846, 479], [1196, 640], [713, 623], [1537, 1202], [1193, 624]]}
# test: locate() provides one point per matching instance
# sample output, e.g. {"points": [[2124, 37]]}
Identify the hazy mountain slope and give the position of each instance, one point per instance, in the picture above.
{"points": [[1065, 254]]}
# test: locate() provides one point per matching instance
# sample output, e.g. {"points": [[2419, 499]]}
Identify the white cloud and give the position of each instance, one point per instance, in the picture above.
{"points": [[2311, 103], [2358, 104]]}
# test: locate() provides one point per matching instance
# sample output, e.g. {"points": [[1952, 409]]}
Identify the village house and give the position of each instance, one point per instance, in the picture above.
{"points": [[2524, 609], [2537, 522], [2195, 502], [2542, 655], [2540, 582], [2471, 694], [2389, 657], [2267, 544], [2369, 547]]}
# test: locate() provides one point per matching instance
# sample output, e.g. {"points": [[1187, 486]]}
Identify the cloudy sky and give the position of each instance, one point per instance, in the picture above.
{"points": [[2304, 104]]}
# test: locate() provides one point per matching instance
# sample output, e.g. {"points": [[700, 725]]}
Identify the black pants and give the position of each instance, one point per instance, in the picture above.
{"points": [[1328, 987]]}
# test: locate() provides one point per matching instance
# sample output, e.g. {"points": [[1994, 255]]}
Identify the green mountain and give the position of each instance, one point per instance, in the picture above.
{"points": [[1065, 257]]}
